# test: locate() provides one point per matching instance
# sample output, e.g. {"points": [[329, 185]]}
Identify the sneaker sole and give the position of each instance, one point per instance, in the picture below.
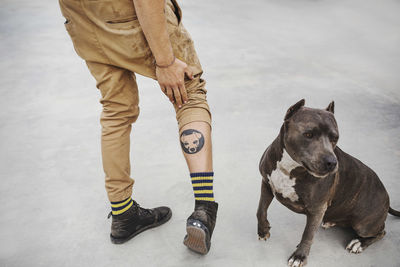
{"points": [[196, 239], [115, 240]]}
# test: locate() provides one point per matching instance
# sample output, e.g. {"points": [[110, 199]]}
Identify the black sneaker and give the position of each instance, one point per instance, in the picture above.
{"points": [[200, 226], [136, 220]]}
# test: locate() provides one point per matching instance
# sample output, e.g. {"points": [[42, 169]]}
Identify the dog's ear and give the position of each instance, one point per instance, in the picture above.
{"points": [[331, 107], [198, 136], [293, 109]]}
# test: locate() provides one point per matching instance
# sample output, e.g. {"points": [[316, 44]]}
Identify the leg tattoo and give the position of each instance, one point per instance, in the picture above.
{"points": [[192, 141]]}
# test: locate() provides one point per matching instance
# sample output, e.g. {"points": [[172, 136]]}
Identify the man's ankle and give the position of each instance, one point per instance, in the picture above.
{"points": [[202, 183], [119, 207]]}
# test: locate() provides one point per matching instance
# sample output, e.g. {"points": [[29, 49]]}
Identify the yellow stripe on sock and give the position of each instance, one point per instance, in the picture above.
{"points": [[121, 204], [203, 191], [205, 198], [117, 212], [203, 184], [202, 178]]}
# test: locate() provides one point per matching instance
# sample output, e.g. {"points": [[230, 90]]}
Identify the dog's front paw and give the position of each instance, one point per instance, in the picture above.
{"points": [[263, 231], [264, 236], [297, 259], [355, 246]]}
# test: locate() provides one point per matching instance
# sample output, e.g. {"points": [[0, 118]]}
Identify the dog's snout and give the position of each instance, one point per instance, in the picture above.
{"points": [[330, 163]]}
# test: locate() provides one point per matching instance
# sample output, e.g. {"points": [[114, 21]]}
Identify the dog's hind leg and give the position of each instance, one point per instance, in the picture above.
{"points": [[359, 244], [368, 232], [265, 200]]}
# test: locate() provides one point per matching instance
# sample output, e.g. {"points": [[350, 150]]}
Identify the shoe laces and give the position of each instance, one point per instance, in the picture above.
{"points": [[143, 211]]}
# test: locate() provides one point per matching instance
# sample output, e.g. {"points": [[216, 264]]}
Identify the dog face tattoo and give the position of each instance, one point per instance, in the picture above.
{"points": [[192, 141]]}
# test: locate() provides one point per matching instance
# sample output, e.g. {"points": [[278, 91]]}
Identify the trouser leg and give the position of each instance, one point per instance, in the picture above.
{"points": [[120, 109]]}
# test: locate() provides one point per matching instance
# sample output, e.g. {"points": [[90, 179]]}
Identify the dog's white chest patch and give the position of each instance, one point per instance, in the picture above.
{"points": [[280, 180]]}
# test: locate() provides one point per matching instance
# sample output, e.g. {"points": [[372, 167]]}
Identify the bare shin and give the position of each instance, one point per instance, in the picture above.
{"points": [[195, 140]]}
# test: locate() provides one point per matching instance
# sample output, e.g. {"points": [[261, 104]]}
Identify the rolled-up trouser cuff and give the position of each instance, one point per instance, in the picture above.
{"points": [[193, 114]]}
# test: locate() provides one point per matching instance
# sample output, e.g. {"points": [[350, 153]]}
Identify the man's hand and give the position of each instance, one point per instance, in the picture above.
{"points": [[151, 17], [172, 81]]}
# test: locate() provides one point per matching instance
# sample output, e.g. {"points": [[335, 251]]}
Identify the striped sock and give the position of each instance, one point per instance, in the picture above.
{"points": [[120, 207], [202, 183]]}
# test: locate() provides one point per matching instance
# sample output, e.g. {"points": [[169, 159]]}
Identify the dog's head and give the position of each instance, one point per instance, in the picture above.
{"points": [[192, 141], [310, 136]]}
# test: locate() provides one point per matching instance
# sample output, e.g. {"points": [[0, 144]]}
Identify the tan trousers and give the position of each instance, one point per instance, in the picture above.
{"points": [[108, 36]]}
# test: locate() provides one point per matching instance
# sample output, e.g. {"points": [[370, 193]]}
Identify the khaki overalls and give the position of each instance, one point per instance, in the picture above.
{"points": [[108, 36]]}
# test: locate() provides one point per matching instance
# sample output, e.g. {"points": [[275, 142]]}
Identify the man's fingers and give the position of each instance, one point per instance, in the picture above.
{"points": [[164, 89], [189, 73], [182, 89], [168, 92], [172, 82], [177, 96]]}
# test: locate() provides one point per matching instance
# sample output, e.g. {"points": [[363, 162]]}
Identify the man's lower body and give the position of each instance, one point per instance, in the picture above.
{"points": [[108, 36]]}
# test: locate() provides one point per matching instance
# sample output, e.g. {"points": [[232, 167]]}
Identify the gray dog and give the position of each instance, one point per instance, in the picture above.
{"points": [[305, 170]]}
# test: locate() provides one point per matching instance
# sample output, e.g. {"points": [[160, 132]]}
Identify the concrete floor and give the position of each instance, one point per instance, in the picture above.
{"points": [[259, 57]]}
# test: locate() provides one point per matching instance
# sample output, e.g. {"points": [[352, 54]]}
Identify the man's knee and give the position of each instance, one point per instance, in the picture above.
{"points": [[119, 98], [117, 119]]}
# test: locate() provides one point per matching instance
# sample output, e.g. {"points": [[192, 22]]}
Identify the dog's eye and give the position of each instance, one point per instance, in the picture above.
{"points": [[308, 135], [334, 139]]}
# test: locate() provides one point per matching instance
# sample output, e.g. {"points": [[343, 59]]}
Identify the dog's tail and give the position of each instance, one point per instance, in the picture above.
{"points": [[394, 212]]}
